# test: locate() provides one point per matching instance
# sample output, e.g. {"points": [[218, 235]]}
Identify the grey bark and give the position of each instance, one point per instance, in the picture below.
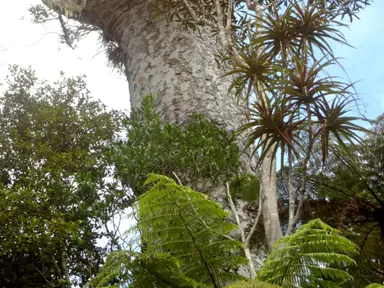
{"points": [[271, 219], [177, 66]]}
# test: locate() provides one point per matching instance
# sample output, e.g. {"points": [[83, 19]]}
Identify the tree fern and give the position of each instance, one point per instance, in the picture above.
{"points": [[185, 243], [136, 270], [253, 284], [315, 256], [176, 220]]}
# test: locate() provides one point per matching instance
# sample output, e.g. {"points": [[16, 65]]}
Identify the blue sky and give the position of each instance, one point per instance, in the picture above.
{"points": [[365, 62]]}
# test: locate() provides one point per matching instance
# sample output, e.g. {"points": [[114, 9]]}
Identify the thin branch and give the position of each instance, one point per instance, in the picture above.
{"points": [[340, 191], [352, 166], [311, 140], [247, 251], [365, 240], [58, 271], [41, 38], [228, 27], [292, 196], [178, 179], [225, 35], [45, 279], [65, 31], [233, 208], [270, 5], [300, 205], [253, 229]]}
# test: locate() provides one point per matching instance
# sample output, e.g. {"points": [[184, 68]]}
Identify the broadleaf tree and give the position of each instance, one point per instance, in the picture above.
{"points": [[55, 198]]}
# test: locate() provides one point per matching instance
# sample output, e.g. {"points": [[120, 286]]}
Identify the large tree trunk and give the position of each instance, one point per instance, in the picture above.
{"points": [[175, 65]]}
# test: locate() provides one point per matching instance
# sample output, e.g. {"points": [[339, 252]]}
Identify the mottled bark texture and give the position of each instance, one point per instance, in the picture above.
{"points": [[177, 66]]}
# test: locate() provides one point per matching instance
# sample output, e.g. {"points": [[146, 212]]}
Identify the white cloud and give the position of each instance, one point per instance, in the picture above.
{"points": [[27, 44]]}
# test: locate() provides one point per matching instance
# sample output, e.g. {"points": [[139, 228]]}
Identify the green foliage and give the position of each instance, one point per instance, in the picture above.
{"points": [[140, 270], [252, 284], [315, 256], [353, 188], [201, 153], [294, 101], [185, 241], [54, 196], [246, 187]]}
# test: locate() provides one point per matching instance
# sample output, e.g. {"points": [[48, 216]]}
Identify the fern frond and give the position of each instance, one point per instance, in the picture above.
{"points": [[142, 271], [176, 220], [374, 285], [315, 256], [253, 284]]}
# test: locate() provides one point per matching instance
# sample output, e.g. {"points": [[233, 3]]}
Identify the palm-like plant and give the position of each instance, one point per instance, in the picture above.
{"points": [[298, 28], [298, 104]]}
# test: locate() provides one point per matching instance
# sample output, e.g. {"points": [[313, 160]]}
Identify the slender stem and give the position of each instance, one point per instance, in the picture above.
{"points": [[42, 275], [292, 196], [225, 34], [65, 31], [340, 191], [58, 271], [228, 27], [305, 165], [233, 208], [253, 229], [177, 178], [247, 251], [365, 240]]}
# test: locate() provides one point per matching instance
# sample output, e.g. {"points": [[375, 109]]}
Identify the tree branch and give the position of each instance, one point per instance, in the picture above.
{"points": [[194, 16], [65, 31], [292, 196], [233, 208], [45, 279], [247, 251], [253, 229], [228, 27]]}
